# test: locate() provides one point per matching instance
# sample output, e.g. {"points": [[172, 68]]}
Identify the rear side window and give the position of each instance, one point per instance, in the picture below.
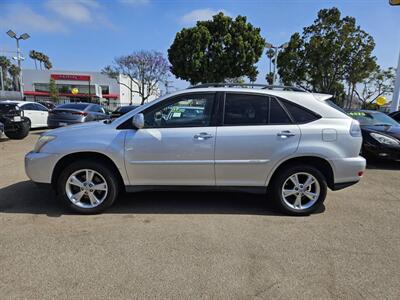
{"points": [[300, 114], [277, 114], [242, 109]]}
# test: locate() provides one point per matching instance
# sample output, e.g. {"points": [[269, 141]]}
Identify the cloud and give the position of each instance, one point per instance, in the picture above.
{"points": [[22, 18], [75, 11], [134, 2], [80, 11], [201, 15]]}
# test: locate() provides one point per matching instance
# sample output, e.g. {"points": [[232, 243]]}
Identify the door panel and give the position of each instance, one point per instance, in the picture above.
{"points": [[177, 145], [244, 156], [170, 156]]}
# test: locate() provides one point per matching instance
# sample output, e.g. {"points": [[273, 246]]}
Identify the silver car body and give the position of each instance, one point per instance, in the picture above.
{"points": [[238, 156]]}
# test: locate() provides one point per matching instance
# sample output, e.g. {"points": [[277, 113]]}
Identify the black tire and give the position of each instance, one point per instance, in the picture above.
{"points": [[20, 133], [279, 180], [104, 170]]}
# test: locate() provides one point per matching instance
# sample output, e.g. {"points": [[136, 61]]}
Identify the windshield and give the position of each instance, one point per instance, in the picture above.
{"points": [[79, 106], [372, 118], [125, 109]]}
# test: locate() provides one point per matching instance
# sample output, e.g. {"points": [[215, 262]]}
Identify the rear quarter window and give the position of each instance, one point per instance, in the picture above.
{"points": [[300, 114]]}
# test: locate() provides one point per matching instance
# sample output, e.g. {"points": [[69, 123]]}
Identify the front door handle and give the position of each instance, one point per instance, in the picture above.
{"points": [[202, 136], [285, 134]]}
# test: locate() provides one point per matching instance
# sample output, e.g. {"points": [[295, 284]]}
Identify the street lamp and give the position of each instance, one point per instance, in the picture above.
{"points": [[23, 36], [270, 46]]}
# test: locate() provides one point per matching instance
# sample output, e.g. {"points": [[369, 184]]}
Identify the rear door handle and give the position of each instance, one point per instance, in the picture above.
{"points": [[202, 136], [285, 134]]}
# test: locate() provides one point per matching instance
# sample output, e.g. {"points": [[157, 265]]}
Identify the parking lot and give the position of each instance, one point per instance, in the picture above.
{"points": [[198, 245]]}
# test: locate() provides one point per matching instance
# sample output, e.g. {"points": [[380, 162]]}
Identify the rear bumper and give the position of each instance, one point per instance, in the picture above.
{"points": [[348, 171], [59, 123], [343, 185]]}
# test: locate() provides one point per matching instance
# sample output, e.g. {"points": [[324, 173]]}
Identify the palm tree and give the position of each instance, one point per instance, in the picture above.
{"points": [[14, 72], [33, 55], [5, 63]]}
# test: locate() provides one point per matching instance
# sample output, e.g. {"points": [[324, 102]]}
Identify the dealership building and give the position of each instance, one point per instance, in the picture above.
{"points": [[78, 86]]}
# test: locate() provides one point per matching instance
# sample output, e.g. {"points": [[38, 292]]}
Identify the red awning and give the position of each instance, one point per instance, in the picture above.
{"points": [[34, 93]]}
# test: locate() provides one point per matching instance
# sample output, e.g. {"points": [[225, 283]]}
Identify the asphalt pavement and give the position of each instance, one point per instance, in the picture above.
{"points": [[198, 245]]}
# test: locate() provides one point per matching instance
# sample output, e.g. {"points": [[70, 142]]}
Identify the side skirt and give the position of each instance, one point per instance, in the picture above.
{"points": [[189, 188]]}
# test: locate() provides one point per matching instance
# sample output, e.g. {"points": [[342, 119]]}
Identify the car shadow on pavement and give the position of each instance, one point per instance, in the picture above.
{"points": [[26, 197]]}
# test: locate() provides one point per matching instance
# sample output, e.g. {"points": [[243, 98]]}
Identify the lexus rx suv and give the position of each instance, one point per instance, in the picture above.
{"points": [[290, 144]]}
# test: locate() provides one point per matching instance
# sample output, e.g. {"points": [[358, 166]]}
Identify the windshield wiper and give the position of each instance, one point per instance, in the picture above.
{"points": [[382, 124]]}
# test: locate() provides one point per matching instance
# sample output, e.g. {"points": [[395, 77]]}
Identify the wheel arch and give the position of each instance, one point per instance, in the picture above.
{"points": [[320, 163], [96, 156]]}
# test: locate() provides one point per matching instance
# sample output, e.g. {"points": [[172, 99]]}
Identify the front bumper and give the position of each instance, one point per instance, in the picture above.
{"points": [[39, 166], [383, 151], [348, 171]]}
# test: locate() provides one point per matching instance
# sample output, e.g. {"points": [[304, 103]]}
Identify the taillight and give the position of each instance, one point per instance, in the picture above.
{"points": [[355, 129], [80, 113]]}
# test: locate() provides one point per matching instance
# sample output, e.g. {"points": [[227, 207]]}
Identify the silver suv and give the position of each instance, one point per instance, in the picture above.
{"points": [[289, 143]]}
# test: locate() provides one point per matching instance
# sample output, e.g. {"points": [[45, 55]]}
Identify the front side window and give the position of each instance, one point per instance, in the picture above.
{"points": [[246, 109], [185, 111]]}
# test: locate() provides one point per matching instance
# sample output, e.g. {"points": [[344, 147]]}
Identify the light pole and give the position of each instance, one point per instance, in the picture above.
{"points": [[396, 92], [23, 36], [276, 49]]}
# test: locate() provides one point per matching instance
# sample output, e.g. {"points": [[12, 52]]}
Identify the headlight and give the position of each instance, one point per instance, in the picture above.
{"points": [[43, 140], [384, 139]]}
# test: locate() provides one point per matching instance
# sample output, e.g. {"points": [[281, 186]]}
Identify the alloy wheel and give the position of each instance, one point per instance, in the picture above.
{"points": [[301, 191], [86, 188]]}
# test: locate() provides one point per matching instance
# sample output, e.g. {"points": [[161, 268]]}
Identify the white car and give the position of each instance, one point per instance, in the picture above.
{"points": [[35, 112], [290, 143]]}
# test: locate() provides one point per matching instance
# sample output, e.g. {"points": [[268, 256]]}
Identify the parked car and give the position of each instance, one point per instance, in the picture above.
{"points": [[48, 104], [287, 142], [122, 110], [395, 115], [381, 134], [36, 113], [15, 126], [73, 113], [1, 129]]}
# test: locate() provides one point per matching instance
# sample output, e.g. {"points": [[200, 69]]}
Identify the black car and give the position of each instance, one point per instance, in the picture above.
{"points": [[15, 126], [48, 104], [381, 134], [122, 110], [395, 115]]}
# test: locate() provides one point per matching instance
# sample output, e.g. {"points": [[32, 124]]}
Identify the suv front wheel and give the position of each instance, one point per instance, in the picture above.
{"points": [[87, 186], [299, 190]]}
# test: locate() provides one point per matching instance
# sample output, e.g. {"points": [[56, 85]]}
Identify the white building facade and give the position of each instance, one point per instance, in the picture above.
{"points": [[81, 86]]}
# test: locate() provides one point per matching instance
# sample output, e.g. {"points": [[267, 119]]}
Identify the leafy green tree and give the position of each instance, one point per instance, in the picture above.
{"points": [[330, 53], [53, 90], [216, 50], [43, 59], [378, 83]]}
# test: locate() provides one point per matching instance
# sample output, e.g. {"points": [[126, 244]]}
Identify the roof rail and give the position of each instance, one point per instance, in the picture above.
{"points": [[250, 85]]}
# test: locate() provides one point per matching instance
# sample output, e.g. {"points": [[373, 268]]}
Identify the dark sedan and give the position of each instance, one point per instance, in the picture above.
{"points": [[395, 115], [73, 113], [381, 134], [122, 110]]}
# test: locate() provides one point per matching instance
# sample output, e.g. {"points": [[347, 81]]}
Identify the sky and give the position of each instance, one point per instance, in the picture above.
{"points": [[86, 35]]}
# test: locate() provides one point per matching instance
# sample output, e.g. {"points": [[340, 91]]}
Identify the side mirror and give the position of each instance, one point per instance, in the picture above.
{"points": [[138, 121]]}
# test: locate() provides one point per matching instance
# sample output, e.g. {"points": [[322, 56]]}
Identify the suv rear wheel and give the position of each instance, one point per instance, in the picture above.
{"points": [[87, 186], [299, 190]]}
